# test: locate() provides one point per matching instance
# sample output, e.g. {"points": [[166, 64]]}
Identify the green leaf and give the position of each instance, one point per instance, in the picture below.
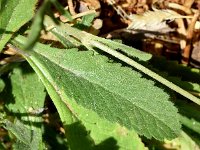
{"points": [[115, 93], [105, 134], [37, 25], [2, 85], [190, 110], [27, 138], [86, 22], [190, 123], [27, 104], [27, 90], [81, 36], [96, 129], [14, 14], [189, 115], [92, 42]]}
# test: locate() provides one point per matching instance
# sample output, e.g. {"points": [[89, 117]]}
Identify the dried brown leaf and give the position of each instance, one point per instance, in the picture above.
{"points": [[153, 20]]}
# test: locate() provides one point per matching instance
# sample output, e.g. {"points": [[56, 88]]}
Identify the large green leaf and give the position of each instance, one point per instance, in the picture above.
{"points": [[118, 94], [27, 104], [14, 14], [102, 131], [92, 42]]}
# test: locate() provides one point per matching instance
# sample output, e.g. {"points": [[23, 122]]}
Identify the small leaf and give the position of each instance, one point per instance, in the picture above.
{"points": [[14, 14], [86, 22], [115, 93], [22, 133]]}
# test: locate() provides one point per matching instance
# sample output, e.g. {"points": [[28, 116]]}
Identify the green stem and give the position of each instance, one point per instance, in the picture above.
{"points": [[145, 70], [190, 123]]}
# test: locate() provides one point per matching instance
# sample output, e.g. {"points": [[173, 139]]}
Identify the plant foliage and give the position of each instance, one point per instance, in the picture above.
{"points": [[104, 92], [13, 17]]}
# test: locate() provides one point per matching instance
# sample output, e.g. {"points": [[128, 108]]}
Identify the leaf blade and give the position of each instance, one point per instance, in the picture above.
{"points": [[27, 103], [102, 138], [13, 17], [100, 80]]}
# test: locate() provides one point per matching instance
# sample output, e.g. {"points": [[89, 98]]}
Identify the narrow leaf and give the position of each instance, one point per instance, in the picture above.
{"points": [[190, 123], [37, 25], [14, 14], [81, 36]]}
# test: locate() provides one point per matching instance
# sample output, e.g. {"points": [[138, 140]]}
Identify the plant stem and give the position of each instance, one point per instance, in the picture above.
{"points": [[190, 123], [145, 71]]}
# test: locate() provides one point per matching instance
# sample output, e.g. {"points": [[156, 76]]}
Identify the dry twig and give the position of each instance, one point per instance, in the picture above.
{"points": [[71, 7], [190, 32]]}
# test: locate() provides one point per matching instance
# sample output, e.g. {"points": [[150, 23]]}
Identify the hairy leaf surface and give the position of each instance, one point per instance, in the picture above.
{"points": [[115, 93]]}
